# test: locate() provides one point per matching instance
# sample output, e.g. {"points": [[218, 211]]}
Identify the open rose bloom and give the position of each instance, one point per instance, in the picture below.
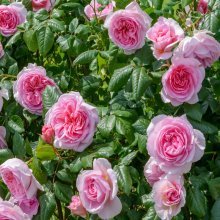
{"points": [[94, 10], [10, 17], [183, 81], [29, 87], [202, 46], [74, 122], [9, 211], [202, 6], [76, 207], [174, 144], [164, 34], [43, 4], [98, 190], [169, 196], [127, 28]]}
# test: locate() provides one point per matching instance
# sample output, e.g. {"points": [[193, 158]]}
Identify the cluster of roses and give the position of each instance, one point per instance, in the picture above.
{"points": [[23, 186]]}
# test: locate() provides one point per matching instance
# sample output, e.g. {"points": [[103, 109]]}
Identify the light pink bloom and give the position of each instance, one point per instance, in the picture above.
{"points": [[169, 196], [76, 207], [183, 81], [73, 121], [98, 190], [201, 46], [29, 87], [164, 34], [127, 28], [174, 144], [43, 4], [3, 143], [1, 51], [202, 6], [19, 179], [10, 17], [28, 206], [152, 171], [47, 134], [93, 10], [10, 211], [3, 94]]}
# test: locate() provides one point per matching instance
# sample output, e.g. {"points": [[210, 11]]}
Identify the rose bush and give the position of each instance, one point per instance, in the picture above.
{"points": [[109, 109]]}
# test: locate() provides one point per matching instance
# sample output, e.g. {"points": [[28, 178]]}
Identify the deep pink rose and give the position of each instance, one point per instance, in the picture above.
{"points": [[1, 51], [169, 196], [42, 4], [202, 6], [10, 17], [127, 28], [152, 171], [174, 144], [183, 81], [28, 206], [3, 94], [47, 134], [19, 179], [73, 121], [93, 10], [9, 211], [98, 190], [3, 143], [28, 88], [164, 34], [76, 207], [201, 46]]}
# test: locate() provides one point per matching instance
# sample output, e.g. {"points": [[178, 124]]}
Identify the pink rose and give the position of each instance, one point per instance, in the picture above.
{"points": [[10, 17], [165, 34], [169, 196], [3, 143], [93, 10], [174, 144], [73, 121], [1, 51], [10, 211], [98, 190], [47, 134], [183, 81], [201, 46], [202, 6], [19, 179], [28, 88], [152, 171], [42, 4], [127, 28], [28, 206], [3, 94], [76, 207]]}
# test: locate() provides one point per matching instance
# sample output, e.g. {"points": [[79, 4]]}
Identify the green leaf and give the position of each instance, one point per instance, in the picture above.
{"points": [[86, 57], [215, 212], [120, 78], [214, 188], [193, 111], [75, 166], [147, 200], [204, 127], [124, 178], [41, 15], [50, 97], [16, 123], [141, 125], [13, 39], [106, 125], [185, 3], [27, 4], [45, 40], [47, 206], [65, 176], [63, 192], [31, 40], [73, 25], [140, 82], [196, 202], [90, 84], [128, 158], [56, 25], [5, 154], [44, 151], [151, 214], [19, 149]]}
